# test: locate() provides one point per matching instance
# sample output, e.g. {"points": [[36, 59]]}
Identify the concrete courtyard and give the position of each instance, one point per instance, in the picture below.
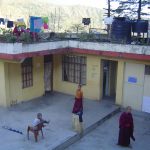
{"points": [[55, 107], [105, 136]]}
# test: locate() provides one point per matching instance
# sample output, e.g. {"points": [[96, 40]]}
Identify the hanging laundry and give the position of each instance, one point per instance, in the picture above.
{"points": [[20, 22], [2, 21], [35, 26], [108, 20], [6, 20], [45, 20], [15, 23], [10, 24], [45, 25], [38, 23]]}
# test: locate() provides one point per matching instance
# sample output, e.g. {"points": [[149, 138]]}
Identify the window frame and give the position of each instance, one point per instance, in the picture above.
{"points": [[27, 73], [75, 69], [147, 70]]}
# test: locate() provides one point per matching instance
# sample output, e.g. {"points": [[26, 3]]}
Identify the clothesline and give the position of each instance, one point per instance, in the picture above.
{"points": [[36, 23]]}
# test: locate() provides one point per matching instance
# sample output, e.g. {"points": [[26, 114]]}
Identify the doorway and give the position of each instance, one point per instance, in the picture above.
{"points": [[109, 78], [48, 73]]}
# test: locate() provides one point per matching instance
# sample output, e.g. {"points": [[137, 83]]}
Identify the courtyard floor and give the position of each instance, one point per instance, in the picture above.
{"points": [[105, 136], [55, 107]]}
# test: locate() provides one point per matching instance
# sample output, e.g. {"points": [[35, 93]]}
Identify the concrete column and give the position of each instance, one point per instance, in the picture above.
{"points": [[119, 86], [101, 80], [7, 84], [3, 94]]}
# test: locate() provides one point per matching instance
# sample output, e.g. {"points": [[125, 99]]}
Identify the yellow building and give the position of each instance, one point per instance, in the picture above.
{"points": [[120, 73]]}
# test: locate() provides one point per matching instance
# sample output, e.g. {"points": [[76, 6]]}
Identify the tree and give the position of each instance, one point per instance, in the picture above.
{"points": [[77, 28], [108, 14], [108, 8], [133, 9]]}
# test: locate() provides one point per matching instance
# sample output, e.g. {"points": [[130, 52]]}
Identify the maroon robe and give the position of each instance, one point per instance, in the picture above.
{"points": [[125, 129], [16, 31], [78, 105]]}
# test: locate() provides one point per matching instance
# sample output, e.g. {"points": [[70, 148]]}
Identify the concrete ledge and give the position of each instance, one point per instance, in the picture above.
{"points": [[77, 137], [19, 48]]}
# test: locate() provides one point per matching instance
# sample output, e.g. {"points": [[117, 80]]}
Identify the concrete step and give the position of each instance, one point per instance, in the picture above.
{"points": [[77, 136]]}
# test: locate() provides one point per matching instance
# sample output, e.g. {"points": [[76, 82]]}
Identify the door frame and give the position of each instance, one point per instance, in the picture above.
{"points": [[49, 59], [102, 74]]}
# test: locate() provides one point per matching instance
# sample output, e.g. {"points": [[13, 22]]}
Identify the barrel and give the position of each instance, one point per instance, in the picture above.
{"points": [[121, 30], [140, 26]]}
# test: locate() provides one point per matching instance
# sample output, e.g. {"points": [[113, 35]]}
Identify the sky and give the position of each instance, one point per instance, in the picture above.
{"points": [[91, 3]]}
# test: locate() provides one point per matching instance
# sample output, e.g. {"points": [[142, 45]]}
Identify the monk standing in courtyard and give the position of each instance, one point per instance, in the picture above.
{"points": [[126, 127], [78, 104]]}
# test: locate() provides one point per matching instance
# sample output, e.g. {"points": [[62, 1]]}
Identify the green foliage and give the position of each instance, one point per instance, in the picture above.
{"points": [[77, 28], [10, 38], [62, 35], [87, 37], [7, 36], [25, 38], [7, 31]]}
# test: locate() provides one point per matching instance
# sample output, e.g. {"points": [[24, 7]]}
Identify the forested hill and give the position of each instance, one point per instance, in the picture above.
{"points": [[60, 17]]}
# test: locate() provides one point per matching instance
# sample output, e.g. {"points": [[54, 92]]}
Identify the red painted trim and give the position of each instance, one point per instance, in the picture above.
{"points": [[112, 54], [32, 54], [76, 50]]}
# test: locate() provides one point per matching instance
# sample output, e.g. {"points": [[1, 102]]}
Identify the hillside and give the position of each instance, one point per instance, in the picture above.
{"points": [[60, 17]]}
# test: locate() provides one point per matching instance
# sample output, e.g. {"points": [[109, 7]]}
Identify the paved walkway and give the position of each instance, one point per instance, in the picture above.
{"points": [[105, 136], [56, 107]]}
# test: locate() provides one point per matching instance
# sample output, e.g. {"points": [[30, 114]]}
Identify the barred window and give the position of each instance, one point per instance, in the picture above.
{"points": [[74, 69], [27, 73], [147, 69]]}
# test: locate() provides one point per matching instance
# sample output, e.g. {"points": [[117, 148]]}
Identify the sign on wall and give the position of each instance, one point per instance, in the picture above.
{"points": [[132, 79]]}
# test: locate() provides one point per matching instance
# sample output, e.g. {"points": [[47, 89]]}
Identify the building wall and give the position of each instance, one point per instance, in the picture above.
{"points": [[126, 93], [133, 90], [119, 84], [146, 94], [16, 93], [38, 80], [91, 89], [2, 85], [136, 92]]}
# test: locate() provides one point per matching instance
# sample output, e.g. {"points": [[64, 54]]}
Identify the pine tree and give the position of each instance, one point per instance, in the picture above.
{"points": [[133, 9]]}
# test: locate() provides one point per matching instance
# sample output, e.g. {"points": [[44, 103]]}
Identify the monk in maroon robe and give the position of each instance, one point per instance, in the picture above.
{"points": [[78, 104], [16, 31], [126, 128]]}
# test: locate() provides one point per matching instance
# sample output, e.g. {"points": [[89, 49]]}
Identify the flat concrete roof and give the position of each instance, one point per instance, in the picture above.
{"points": [[18, 51]]}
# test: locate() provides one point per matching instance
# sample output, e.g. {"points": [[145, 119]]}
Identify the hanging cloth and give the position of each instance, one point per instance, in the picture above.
{"points": [[45, 25], [35, 24], [38, 23], [2, 21], [45, 20], [10, 24], [20, 22]]}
